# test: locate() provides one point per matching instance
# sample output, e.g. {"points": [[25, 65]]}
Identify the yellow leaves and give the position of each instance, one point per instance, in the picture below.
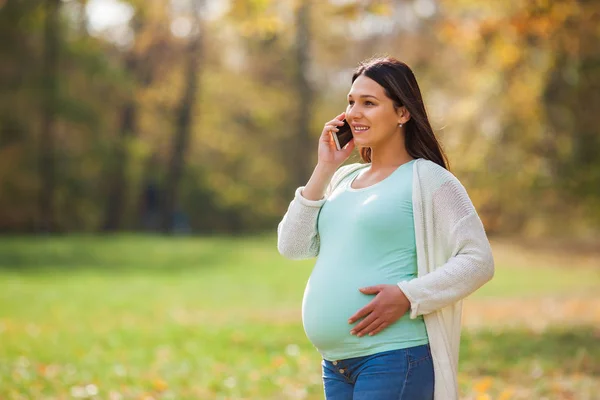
{"points": [[380, 9], [541, 26], [255, 18], [506, 394], [278, 361], [160, 385], [563, 10], [483, 385], [470, 35], [349, 11], [506, 34], [508, 52], [354, 10], [261, 26], [483, 389], [447, 30], [49, 371], [240, 9]]}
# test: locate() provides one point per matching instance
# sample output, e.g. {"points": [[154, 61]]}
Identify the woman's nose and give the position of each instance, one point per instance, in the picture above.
{"points": [[352, 113]]}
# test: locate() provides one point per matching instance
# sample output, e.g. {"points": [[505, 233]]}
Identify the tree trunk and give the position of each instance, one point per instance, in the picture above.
{"points": [[183, 124], [117, 191], [302, 141], [82, 18], [117, 179], [47, 168]]}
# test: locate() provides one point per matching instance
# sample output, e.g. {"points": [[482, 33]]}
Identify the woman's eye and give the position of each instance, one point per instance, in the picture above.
{"points": [[369, 103], [351, 102]]}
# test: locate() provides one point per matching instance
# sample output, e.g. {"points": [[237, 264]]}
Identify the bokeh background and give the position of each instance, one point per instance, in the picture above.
{"points": [[148, 150]]}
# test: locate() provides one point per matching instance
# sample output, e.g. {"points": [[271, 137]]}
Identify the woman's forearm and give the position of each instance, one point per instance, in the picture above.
{"points": [[317, 184]]}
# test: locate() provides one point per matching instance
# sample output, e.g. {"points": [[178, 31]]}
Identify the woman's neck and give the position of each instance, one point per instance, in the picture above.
{"points": [[391, 155]]}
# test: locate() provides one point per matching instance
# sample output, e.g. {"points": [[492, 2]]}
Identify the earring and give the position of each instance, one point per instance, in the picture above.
{"points": [[400, 125]]}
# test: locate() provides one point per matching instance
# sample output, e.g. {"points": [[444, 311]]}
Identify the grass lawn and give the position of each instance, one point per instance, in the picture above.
{"points": [[143, 317]]}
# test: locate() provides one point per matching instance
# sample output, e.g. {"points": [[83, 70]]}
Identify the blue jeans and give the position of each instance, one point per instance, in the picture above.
{"points": [[405, 374]]}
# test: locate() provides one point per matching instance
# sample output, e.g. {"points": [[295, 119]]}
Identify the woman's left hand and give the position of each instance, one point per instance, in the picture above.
{"points": [[387, 307]]}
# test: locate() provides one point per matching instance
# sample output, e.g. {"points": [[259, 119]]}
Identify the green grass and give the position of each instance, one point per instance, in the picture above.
{"points": [[209, 318]]}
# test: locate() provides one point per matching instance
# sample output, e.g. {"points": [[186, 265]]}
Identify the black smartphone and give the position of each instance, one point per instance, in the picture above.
{"points": [[343, 136]]}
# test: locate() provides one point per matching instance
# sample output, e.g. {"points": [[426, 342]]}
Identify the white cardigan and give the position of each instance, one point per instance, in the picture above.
{"points": [[454, 257]]}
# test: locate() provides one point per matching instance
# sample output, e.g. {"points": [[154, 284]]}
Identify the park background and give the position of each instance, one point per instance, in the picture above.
{"points": [[148, 150]]}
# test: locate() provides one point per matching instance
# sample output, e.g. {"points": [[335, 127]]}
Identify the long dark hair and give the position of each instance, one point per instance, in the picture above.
{"points": [[401, 86]]}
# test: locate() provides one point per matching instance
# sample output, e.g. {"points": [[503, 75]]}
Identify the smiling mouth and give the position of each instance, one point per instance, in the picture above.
{"points": [[361, 129]]}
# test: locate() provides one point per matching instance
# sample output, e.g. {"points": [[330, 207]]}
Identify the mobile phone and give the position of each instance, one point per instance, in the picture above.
{"points": [[343, 136]]}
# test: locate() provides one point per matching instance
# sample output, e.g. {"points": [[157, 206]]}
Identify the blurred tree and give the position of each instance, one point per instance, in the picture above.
{"points": [[128, 125], [47, 164], [183, 122], [141, 64], [525, 73], [571, 93], [302, 143], [511, 88], [20, 24]]}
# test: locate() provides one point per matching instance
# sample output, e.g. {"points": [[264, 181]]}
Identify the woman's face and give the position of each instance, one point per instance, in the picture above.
{"points": [[371, 113]]}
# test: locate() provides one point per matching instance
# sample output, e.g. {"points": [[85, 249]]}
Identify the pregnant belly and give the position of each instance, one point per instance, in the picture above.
{"points": [[326, 307]]}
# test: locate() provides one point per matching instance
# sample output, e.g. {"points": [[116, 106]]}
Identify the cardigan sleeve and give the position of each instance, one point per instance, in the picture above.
{"points": [[457, 231], [297, 233]]}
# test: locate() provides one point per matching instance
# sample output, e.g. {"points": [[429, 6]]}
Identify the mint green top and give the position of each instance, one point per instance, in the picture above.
{"points": [[367, 238]]}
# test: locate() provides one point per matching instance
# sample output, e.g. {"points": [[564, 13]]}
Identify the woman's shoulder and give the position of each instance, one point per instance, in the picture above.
{"points": [[443, 190], [434, 175]]}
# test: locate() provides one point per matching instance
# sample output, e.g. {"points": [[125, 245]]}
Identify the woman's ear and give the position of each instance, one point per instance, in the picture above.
{"points": [[403, 115]]}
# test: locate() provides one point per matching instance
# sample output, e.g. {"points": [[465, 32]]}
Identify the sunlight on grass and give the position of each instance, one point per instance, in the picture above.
{"points": [[207, 318]]}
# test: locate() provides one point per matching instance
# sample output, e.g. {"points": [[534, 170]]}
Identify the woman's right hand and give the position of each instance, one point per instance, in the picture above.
{"points": [[328, 154]]}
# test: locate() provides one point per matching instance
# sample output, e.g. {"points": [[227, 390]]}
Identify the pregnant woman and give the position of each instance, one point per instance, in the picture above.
{"points": [[398, 246]]}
